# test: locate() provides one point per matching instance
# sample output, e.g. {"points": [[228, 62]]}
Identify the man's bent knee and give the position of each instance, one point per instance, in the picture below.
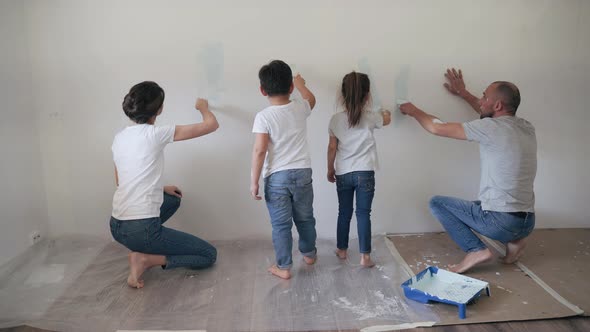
{"points": [[435, 203]]}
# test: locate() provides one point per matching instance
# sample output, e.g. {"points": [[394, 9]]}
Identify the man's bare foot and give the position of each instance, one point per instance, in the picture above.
{"points": [[472, 259], [514, 249], [366, 260], [284, 274], [341, 253], [309, 260], [137, 265]]}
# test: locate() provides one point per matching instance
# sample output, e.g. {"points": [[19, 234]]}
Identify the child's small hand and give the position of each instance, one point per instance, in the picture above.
{"points": [[332, 175], [254, 191], [298, 81], [173, 190], [202, 104]]}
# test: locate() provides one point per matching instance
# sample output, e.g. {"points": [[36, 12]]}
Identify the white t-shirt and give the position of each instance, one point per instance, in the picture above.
{"points": [[138, 152], [357, 150], [286, 126]]}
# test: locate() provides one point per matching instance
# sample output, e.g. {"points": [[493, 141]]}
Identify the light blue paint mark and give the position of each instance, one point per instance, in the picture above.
{"points": [[210, 65], [401, 83], [364, 67], [294, 69]]}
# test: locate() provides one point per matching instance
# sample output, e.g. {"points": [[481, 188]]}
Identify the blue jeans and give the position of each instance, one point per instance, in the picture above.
{"points": [[148, 236], [289, 199], [460, 218], [363, 184]]}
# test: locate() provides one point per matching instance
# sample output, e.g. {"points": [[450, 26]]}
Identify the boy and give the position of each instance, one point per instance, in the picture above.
{"points": [[281, 144]]}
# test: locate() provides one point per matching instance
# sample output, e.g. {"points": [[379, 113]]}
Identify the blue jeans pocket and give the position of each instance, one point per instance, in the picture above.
{"points": [[339, 183], [276, 200], [134, 234], [529, 225], [366, 183], [114, 226], [510, 225]]}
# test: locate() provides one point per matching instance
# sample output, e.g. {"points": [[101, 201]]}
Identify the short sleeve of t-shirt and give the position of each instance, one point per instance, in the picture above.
{"points": [[306, 106], [479, 130], [164, 134], [332, 125], [260, 124]]}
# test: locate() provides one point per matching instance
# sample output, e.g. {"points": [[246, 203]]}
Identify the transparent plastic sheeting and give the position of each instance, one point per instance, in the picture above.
{"points": [[80, 285], [31, 283]]}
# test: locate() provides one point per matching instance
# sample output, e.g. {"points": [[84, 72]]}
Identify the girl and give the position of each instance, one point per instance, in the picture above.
{"points": [[352, 161], [141, 204]]}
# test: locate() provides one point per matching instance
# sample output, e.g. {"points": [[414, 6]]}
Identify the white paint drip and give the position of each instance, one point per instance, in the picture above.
{"points": [[404, 326], [502, 288], [44, 275], [384, 307], [539, 281]]}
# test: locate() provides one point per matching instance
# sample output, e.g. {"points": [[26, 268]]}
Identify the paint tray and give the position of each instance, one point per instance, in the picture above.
{"points": [[438, 285]]}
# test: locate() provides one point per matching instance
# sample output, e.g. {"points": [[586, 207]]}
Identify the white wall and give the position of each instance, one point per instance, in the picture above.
{"points": [[87, 54], [22, 198]]}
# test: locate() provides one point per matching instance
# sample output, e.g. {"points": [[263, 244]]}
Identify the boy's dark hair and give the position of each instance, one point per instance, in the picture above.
{"points": [[276, 78], [143, 101], [355, 93]]}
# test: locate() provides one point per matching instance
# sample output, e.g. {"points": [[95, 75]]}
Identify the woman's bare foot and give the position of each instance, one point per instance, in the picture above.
{"points": [[366, 260], [341, 253], [472, 259], [284, 274], [137, 265], [514, 249], [309, 260]]}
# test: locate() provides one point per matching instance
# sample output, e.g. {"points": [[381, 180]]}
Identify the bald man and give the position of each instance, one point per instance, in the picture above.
{"points": [[508, 153]]}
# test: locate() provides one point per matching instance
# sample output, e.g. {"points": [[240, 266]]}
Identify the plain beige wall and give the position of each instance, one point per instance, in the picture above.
{"points": [[85, 55], [22, 199]]}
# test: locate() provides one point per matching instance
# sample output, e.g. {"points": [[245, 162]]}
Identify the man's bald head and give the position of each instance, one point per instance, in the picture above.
{"points": [[509, 94]]}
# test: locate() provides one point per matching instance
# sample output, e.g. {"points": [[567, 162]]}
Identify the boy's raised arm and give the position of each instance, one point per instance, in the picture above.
{"points": [[299, 84]]}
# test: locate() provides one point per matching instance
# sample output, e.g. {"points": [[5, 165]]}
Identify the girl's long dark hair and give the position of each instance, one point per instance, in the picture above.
{"points": [[355, 92]]}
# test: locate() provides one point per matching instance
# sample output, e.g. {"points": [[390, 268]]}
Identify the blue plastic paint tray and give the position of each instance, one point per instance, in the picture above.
{"points": [[438, 285]]}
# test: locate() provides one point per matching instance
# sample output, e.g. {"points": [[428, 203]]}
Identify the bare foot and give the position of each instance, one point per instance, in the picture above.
{"points": [[366, 260], [514, 249], [309, 260], [284, 274], [341, 253], [137, 265], [472, 259]]}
